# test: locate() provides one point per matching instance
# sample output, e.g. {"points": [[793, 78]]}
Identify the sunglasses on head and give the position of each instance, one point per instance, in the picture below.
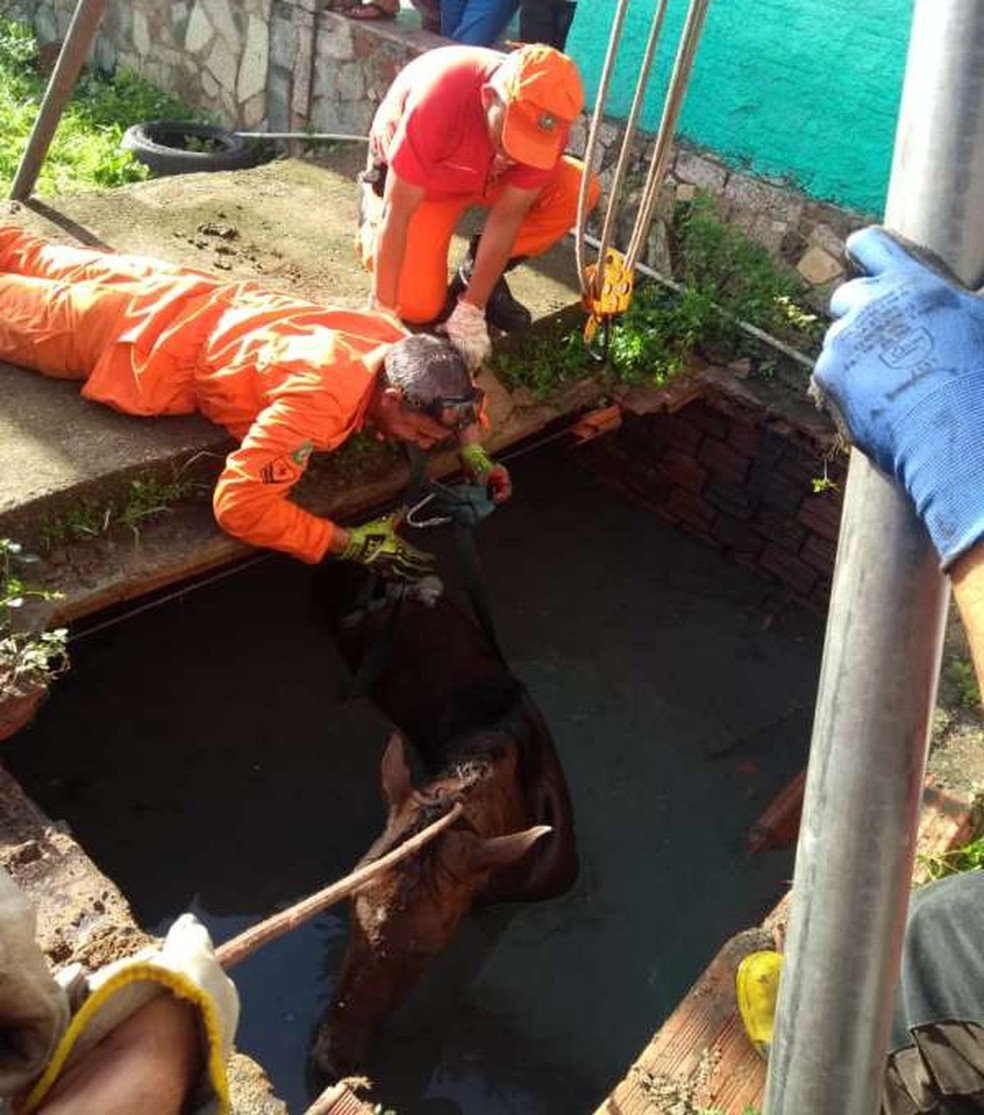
{"points": [[453, 412]]}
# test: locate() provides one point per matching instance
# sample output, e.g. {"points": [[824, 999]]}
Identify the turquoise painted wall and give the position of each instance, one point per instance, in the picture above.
{"points": [[803, 89]]}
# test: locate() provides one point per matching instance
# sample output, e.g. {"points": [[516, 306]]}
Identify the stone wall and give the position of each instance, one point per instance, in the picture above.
{"points": [[732, 474], [287, 65], [274, 65]]}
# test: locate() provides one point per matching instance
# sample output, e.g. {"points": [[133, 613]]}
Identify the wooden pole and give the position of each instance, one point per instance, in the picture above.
{"points": [[232, 952], [81, 32]]}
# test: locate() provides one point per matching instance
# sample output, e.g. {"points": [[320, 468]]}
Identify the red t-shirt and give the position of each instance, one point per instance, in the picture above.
{"points": [[431, 128]]}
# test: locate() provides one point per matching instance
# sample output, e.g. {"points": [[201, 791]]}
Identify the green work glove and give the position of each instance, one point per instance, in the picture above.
{"points": [[481, 469], [377, 546]]}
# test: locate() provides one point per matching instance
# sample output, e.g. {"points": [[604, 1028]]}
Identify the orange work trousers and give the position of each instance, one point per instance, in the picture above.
{"points": [[74, 313], [424, 279]]}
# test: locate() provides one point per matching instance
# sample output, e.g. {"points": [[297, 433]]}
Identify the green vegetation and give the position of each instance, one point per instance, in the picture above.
{"points": [[86, 149], [147, 497], [544, 363], [727, 266], [726, 277], [749, 1110], [27, 658], [968, 857], [961, 672]]}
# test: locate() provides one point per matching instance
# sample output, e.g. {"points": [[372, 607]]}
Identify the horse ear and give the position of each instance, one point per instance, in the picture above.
{"points": [[500, 851], [396, 773]]}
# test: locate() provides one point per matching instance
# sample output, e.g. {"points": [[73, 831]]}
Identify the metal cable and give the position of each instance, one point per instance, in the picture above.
{"points": [[671, 111], [600, 98], [630, 129], [682, 66]]}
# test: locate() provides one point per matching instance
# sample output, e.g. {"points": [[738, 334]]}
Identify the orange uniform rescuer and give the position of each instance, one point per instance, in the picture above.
{"points": [[285, 377], [466, 126]]}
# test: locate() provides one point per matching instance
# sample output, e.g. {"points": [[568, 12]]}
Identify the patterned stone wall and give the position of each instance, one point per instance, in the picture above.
{"points": [[288, 65], [734, 476]]}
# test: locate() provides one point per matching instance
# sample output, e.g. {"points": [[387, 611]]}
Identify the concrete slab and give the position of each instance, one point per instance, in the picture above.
{"points": [[289, 224]]}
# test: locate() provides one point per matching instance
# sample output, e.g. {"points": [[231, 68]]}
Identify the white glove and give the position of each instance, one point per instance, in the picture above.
{"points": [[33, 1007], [467, 331], [185, 966]]}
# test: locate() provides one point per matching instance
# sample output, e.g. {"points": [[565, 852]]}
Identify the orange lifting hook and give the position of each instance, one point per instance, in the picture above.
{"points": [[614, 298]]}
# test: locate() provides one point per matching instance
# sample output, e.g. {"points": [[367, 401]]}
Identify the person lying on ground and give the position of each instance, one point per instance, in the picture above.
{"points": [[467, 126], [902, 370], [151, 1033], [284, 376]]}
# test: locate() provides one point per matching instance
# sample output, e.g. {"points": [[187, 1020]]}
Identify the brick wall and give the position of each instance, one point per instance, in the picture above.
{"points": [[740, 480]]}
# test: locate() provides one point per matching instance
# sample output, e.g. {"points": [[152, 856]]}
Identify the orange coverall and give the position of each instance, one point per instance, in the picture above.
{"points": [[431, 130], [285, 377]]}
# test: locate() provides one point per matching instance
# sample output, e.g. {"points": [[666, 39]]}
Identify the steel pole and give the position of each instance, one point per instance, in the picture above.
{"points": [[78, 39], [882, 651]]}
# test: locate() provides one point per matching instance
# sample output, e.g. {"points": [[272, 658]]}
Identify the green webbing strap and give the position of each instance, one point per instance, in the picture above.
{"points": [[464, 536], [466, 505], [374, 660]]}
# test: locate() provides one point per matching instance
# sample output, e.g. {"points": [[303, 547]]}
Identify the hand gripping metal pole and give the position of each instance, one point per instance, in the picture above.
{"points": [[882, 652]]}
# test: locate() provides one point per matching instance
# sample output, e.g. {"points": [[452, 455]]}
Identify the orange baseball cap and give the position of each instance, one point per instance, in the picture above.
{"points": [[543, 95]]}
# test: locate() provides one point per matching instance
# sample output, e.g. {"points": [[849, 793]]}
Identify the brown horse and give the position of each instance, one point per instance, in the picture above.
{"points": [[482, 742]]}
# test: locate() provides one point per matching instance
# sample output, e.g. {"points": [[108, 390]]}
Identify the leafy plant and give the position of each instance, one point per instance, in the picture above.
{"points": [[542, 363], [723, 263], [27, 657], [961, 672], [148, 496], [659, 333], [968, 857], [725, 277], [85, 150], [749, 1110]]}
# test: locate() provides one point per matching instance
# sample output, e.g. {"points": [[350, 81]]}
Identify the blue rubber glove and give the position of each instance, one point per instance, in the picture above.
{"points": [[903, 370]]}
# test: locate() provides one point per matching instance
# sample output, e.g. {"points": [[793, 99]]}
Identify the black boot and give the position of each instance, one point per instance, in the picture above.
{"points": [[502, 310]]}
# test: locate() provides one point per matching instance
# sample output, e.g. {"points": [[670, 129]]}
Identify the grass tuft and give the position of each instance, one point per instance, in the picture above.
{"points": [[85, 152]]}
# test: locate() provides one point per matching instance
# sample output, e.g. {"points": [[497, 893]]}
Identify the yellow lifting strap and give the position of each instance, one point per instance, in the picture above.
{"points": [[608, 293]]}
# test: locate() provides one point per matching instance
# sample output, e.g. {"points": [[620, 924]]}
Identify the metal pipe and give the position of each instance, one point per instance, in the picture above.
{"points": [[882, 651], [81, 32], [332, 137], [682, 65]]}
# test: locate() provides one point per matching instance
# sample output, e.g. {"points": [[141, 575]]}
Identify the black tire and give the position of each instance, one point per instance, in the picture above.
{"points": [[160, 146]]}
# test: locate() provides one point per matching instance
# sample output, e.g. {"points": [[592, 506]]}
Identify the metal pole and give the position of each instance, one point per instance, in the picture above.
{"points": [[79, 38], [882, 652]]}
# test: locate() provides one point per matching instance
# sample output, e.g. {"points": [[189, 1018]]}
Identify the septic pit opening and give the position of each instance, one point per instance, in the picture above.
{"points": [[202, 757]]}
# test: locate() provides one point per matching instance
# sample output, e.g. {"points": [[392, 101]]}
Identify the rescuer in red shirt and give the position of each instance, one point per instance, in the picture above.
{"points": [[464, 126], [284, 376]]}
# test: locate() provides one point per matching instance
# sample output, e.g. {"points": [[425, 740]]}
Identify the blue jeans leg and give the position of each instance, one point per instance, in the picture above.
{"points": [[476, 22]]}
